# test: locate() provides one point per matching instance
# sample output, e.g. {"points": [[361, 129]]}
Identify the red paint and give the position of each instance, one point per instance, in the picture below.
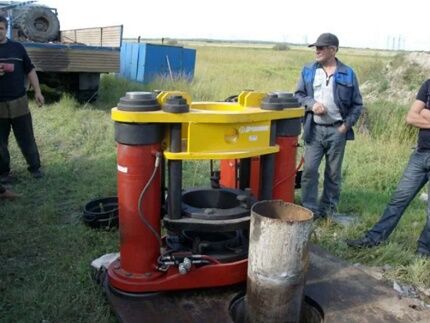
{"points": [[255, 180], [136, 271], [222, 274], [285, 169], [228, 169], [139, 248]]}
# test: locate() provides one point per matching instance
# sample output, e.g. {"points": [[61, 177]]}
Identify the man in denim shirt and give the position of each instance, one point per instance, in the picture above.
{"points": [[328, 89], [415, 176]]}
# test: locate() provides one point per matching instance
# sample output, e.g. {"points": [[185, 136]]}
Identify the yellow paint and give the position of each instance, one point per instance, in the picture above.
{"points": [[207, 137], [217, 130], [221, 154], [164, 95], [215, 112]]}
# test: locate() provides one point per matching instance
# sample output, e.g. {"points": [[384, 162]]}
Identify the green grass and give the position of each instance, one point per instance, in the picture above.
{"points": [[45, 250]]}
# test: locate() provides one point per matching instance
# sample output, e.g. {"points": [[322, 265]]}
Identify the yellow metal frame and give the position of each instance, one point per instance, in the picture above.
{"points": [[217, 130]]}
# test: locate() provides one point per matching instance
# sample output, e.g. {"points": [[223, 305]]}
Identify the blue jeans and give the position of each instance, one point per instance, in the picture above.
{"points": [[327, 142], [415, 176]]}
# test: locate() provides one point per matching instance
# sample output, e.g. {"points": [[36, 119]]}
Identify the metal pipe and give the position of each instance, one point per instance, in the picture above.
{"points": [[163, 186], [244, 173], [277, 261], [268, 168], [175, 174]]}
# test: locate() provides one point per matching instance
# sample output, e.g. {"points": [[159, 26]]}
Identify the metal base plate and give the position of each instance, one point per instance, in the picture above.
{"points": [[344, 293]]}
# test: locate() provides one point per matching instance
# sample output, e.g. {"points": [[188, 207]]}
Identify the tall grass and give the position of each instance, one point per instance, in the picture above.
{"points": [[386, 121], [45, 250]]}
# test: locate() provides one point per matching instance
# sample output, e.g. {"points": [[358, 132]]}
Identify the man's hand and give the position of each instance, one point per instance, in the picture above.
{"points": [[342, 128], [417, 117], [425, 113], [40, 100], [34, 81], [319, 109]]}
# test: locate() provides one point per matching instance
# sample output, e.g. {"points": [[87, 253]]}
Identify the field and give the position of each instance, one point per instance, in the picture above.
{"points": [[45, 250]]}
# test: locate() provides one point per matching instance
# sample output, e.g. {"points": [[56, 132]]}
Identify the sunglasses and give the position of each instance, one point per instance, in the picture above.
{"points": [[321, 47]]}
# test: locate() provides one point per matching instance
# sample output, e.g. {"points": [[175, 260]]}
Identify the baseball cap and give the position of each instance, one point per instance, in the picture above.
{"points": [[326, 39]]}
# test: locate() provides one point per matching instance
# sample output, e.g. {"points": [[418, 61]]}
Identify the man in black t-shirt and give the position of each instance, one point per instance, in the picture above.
{"points": [[415, 176], [15, 66]]}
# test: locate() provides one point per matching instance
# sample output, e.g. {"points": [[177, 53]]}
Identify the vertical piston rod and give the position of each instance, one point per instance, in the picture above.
{"points": [[268, 168], [175, 174]]}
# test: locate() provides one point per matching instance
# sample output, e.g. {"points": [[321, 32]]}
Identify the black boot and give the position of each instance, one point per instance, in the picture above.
{"points": [[363, 242]]}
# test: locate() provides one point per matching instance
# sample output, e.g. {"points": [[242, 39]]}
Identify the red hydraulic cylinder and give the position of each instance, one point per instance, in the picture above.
{"points": [[255, 179], [139, 246], [229, 174], [285, 168], [284, 176], [228, 169]]}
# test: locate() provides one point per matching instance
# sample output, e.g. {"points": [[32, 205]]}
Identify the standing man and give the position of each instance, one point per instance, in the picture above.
{"points": [[328, 89], [15, 65], [415, 176]]}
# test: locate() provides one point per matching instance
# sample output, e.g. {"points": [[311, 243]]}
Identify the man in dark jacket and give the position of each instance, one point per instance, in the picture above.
{"points": [[328, 89], [15, 66], [415, 176]]}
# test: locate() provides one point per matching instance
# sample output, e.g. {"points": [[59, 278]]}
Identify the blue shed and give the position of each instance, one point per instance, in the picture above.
{"points": [[142, 62]]}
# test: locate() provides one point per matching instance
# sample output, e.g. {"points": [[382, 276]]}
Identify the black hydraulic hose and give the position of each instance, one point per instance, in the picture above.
{"points": [[174, 207]]}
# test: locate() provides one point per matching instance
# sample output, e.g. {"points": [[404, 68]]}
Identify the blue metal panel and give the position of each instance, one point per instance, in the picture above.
{"points": [[129, 72], [134, 61], [145, 62], [126, 51], [141, 67], [189, 62], [123, 60], [156, 63]]}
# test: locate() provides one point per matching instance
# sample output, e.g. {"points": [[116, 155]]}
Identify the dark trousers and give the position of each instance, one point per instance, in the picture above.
{"points": [[23, 130], [415, 176]]}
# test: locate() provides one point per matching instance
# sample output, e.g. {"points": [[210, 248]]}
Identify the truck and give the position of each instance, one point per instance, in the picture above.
{"points": [[65, 60]]}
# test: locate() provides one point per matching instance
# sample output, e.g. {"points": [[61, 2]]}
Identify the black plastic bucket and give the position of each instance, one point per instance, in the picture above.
{"points": [[101, 213]]}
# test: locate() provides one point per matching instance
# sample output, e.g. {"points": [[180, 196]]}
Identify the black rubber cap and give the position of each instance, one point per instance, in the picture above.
{"points": [[279, 101], [138, 133], [101, 213], [176, 104], [139, 101]]}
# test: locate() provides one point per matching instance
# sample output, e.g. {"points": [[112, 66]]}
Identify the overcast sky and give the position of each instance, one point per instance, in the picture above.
{"points": [[361, 23]]}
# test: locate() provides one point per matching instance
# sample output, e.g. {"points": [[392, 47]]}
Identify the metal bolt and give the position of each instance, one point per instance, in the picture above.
{"points": [[209, 211], [182, 269], [187, 264]]}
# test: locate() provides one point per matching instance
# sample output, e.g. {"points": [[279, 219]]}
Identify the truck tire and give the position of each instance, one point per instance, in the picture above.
{"points": [[39, 24]]}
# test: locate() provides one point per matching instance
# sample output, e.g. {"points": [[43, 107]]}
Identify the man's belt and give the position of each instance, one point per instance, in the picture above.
{"points": [[334, 124]]}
